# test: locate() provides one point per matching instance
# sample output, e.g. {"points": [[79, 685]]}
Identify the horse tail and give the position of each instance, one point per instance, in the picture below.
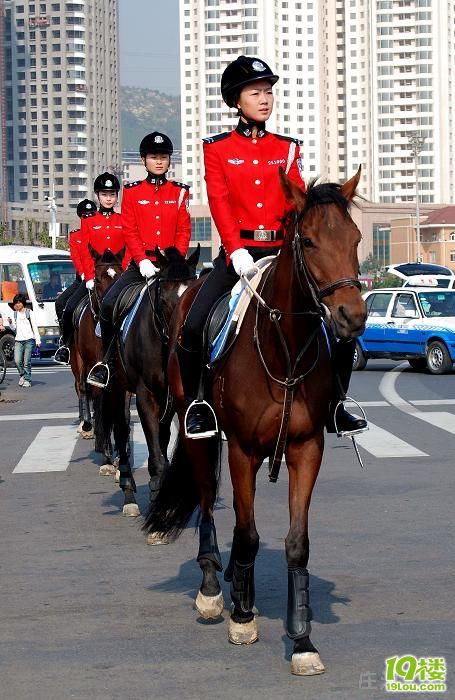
{"points": [[182, 488]]}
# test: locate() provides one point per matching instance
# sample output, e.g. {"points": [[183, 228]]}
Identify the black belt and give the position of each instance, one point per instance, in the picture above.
{"points": [[262, 235]]}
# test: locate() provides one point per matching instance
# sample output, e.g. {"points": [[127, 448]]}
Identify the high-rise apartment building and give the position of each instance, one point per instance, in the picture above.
{"points": [[357, 78], [61, 98], [212, 34]]}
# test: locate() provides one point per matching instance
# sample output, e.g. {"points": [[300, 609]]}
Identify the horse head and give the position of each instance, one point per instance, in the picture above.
{"points": [[174, 266], [324, 241], [108, 267]]}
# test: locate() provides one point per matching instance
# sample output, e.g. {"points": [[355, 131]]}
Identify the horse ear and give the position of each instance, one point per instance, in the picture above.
{"points": [[291, 190], [349, 187], [121, 254], [94, 253], [194, 257], [160, 258]]}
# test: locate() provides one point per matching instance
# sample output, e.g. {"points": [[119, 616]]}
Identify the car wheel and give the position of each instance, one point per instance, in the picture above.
{"points": [[418, 363], [7, 345], [360, 361], [438, 358]]}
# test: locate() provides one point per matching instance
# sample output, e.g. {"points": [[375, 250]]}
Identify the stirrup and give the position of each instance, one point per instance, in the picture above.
{"points": [[95, 382], [207, 433], [59, 362], [349, 433]]}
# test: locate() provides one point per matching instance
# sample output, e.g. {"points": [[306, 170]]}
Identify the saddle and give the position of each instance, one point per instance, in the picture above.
{"points": [[225, 319], [125, 301], [80, 310]]}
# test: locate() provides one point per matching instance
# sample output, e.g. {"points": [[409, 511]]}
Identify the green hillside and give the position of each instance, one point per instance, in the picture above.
{"points": [[143, 111]]}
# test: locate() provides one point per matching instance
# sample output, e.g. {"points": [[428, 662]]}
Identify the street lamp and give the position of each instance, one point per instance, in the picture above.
{"points": [[416, 142], [53, 225]]}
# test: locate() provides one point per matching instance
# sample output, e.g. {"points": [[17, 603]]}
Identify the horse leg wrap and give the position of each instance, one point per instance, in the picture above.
{"points": [[299, 611], [243, 592], [208, 545], [127, 482]]}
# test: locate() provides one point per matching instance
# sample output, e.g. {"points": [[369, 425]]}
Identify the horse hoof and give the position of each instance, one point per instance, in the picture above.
{"points": [[156, 538], [307, 663], [209, 607], [117, 476], [131, 510], [79, 430], [88, 435], [107, 470], [243, 632]]}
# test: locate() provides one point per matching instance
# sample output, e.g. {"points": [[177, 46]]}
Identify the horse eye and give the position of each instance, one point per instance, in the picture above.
{"points": [[307, 242]]}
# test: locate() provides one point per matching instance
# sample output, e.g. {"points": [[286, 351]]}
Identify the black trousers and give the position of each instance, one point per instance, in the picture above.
{"points": [[128, 277], [67, 318], [62, 300]]}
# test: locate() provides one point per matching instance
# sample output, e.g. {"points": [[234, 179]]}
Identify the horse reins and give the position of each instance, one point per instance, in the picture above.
{"points": [[291, 382]]}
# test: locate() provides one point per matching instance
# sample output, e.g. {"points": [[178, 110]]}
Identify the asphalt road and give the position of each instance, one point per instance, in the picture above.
{"points": [[88, 611]]}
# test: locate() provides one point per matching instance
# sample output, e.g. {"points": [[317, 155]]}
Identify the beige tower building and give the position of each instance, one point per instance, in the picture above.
{"points": [[61, 100]]}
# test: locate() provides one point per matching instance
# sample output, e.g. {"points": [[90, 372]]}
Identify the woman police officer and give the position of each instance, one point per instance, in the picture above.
{"points": [[154, 213], [102, 230], [247, 204]]}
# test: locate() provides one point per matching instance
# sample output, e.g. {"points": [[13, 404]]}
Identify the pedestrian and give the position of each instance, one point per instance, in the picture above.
{"points": [[155, 212], [27, 336], [247, 205]]}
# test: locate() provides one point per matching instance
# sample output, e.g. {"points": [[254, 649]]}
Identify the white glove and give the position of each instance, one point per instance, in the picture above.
{"points": [[242, 261], [147, 268], [90, 284]]}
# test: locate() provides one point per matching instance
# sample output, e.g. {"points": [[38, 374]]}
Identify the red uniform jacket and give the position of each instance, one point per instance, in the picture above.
{"points": [[102, 232], [75, 240], [155, 215], [243, 189]]}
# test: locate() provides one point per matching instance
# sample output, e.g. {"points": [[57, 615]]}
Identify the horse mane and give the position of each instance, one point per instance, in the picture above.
{"points": [[177, 268], [319, 194]]}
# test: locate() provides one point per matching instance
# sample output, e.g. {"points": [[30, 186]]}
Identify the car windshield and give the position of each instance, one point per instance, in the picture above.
{"points": [[438, 303], [51, 278]]}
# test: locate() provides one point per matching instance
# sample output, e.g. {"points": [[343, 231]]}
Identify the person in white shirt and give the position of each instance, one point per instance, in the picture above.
{"points": [[27, 335]]}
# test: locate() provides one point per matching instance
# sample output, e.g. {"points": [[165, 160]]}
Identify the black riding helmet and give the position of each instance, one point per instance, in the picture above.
{"points": [[106, 183], [87, 205], [156, 143], [244, 70]]}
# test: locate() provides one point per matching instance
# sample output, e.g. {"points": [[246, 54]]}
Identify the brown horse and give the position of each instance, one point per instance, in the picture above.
{"points": [[87, 349], [274, 386]]}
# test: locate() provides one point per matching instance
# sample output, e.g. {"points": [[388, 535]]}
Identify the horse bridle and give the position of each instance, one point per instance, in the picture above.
{"points": [[302, 269]]}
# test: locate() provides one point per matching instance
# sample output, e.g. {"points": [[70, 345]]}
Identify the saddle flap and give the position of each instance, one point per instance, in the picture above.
{"points": [[216, 320], [126, 300], [80, 310]]}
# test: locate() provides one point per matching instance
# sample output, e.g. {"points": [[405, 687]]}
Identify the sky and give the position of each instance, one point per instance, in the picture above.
{"points": [[149, 44]]}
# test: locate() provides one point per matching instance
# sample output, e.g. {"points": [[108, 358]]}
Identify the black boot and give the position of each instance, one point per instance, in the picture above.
{"points": [[102, 372], [341, 421], [200, 419]]}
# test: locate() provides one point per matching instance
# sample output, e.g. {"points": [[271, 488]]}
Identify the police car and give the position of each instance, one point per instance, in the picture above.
{"points": [[412, 323]]}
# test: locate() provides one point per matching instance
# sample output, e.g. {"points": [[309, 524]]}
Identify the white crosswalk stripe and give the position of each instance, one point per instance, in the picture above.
{"points": [[50, 451], [383, 444]]}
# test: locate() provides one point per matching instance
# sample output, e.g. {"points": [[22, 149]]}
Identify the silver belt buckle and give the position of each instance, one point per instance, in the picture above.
{"points": [[263, 235]]}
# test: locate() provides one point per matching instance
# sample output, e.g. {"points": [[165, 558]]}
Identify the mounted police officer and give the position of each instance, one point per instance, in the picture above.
{"points": [[247, 205], [155, 212], [74, 239], [101, 230]]}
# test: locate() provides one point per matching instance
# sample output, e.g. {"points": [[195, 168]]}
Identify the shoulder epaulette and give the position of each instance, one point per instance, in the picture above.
{"points": [[218, 137], [88, 214], [289, 138], [132, 184], [180, 184]]}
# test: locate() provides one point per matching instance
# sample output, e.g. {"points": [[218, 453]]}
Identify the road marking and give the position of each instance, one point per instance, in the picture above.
{"points": [[50, 451], [383, 444], [387, 387], [140, 450]]}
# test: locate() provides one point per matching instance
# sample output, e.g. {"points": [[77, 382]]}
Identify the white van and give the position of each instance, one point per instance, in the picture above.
{"points": [[41, 274]]}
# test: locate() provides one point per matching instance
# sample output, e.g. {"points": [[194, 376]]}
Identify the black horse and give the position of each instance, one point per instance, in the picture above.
{"points": [[141, 369]]}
